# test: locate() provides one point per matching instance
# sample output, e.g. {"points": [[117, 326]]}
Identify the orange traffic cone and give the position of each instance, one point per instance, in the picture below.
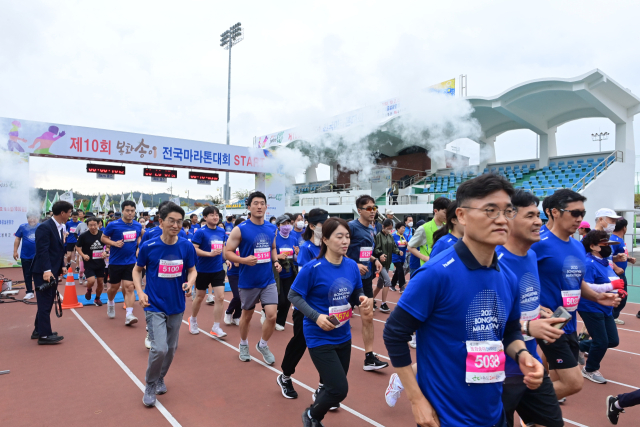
{"points": [[70, 299]]}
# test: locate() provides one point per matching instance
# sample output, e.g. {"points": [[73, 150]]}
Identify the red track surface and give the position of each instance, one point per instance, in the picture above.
{"points": [[78, 383]]}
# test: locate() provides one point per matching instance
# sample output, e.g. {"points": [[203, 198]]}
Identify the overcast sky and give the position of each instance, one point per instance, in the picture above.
{"points": [[156, 66]]}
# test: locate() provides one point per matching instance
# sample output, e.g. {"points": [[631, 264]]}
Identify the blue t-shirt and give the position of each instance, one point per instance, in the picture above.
{"points": [[327, 288], [543, 229], [443, 243], [228, 227], [257, 240], [28, 236], [308, 252], [561, 270], [598, 274], [408, 233], [457, 304], [152, 233], [620, 248], [71, 229], [167, 269], [362, 245], [401, 243], [525, 269], [286, 245], [120, 230], [206, 238], [194, 227], [299, 242]]}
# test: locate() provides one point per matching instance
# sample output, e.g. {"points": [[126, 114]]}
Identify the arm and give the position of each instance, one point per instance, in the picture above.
{"points": [[143, 299], [604, 287], [377, 250], [79, 250], [202, 253], [274, 256], [16, 244], [299, 303], [107, 241], [191, 280], [43, 241], [230, 250], [606, 299], [418, 239]]}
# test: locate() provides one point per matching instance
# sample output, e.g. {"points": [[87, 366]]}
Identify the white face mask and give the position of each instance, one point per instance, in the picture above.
{"points": [[610, 228], [410, 224], [300, 225], [317, 235]]}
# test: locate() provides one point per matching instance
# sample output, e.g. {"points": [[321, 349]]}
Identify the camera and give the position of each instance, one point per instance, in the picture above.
{"points": [[51, 284]]}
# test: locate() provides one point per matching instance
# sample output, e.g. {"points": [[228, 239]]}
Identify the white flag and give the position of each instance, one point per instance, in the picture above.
{"points": [[121, 200], [140, 205], [175, 200], [106, 203], [131, 197], [67, 197], [96, 204]]}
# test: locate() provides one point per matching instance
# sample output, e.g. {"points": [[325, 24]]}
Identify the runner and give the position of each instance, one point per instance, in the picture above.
{"points": [[155, 232], [72, 239], [399, 260], [123, 235], [286, 244], [170, 265], [26, 235], [421, 243], [361, 249], [447, 236], [466, 309], [234, 310], [194, 222], [617, 404], [209, 242], [228, 226], [414, 261], [92, 251], [385, 247], [561, 269], [621, 253], [324, 292], [256, 241], [546, 202], [186, 227]]}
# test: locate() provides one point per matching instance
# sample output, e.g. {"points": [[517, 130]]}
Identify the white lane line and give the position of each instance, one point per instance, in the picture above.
{"points": [[624, 351], [127, 371], [574, 423], [620, 329], [342, 406], [623, 384], [628, 314]]}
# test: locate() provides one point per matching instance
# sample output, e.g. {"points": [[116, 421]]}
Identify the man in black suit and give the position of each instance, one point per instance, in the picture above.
{"points": [[47, 263]]}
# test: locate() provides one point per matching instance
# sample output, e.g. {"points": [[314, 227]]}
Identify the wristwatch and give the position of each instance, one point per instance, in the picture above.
{"points": [[518, 354]]}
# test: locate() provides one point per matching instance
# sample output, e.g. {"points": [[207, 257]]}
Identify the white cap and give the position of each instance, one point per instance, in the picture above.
{"points": [[609, 213], [389, 212]]}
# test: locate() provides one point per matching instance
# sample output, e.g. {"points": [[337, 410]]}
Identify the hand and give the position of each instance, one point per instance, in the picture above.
{"points": [[303, 213], [545, 313], [228, 265], [118, 244], [383, 257], [620, 258], [296, 249], [64, 270], [282, 255], [85, 257], [143, 299], [378, 265], [105, 254], [608, 300], [543, 329], [424, 414], [363, 269], [366, 305], [235, 264], [401, 253], [532, 370], [215, 252], [47, 276], [15, 255], [278, 266], [250, 260], [423, 257], [323, 322], [631, 259], [186, 287]]}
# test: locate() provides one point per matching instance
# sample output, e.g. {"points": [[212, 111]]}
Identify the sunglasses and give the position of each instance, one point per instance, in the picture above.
{"points": [[370, 209], [576, 213]]}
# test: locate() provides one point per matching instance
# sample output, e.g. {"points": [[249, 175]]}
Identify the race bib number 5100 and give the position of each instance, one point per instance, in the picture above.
{"points": [[169, 269]]}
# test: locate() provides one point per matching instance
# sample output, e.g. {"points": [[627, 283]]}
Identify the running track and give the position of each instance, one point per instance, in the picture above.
{"points": [[95, 376]]}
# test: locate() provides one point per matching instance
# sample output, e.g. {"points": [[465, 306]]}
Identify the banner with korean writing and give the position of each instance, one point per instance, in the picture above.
{"points": [[76, 142], [14, 202]]}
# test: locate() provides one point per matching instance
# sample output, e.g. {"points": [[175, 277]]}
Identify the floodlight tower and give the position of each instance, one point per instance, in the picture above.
{"points": [[602, 136]]}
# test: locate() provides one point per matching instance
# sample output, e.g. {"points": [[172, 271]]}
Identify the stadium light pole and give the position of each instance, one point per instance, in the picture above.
{"points": [[602, 136], [228, 39]]}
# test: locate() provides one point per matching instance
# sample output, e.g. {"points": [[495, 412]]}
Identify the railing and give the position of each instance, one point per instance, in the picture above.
{"points": [[616, 156], [411, 180]]}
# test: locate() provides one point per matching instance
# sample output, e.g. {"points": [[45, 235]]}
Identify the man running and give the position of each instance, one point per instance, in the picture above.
{"points": [[155, 232], [209, 243], [91, 250], [621, 258], [194, 222], [26, 235], [228, 226], [170, 265], [72, 237], [256, 240], [421, 243], [123, 235]]}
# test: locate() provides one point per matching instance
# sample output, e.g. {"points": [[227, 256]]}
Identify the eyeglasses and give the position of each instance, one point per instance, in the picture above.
{"points": [[171, 221], [370, 209], [492, 213], [576, 213]]}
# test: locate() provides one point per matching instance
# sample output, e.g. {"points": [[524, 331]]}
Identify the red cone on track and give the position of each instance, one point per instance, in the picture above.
{"points": [[70, 299]]}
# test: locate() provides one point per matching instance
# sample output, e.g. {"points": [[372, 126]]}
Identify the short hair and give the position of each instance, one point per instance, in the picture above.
{"points": [[524, 199], [481, 186], [163, 204], [192, 215], [80, 210], [186, 223], [399, 225], [254, 195], [593, 238], [387, 223], [169, 208], [441, 203], [210, 210], [546, 205], [363, 200], [620, 224], [562, 198], [110, 212], [61, 206], [93, 219], [273, 218], [407, 217], [74, 213], [238, 221], [128, 203]]}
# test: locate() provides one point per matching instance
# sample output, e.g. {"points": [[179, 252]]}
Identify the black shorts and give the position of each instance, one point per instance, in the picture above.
{"points": [[203, 280], [118, 273], [539, 406], [97, 272], [367, 287], [70, 247], [562, 354]]}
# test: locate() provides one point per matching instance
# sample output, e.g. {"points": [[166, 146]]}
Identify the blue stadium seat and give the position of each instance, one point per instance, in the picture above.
{"points": [[550, 191], [486, 170], [572, 175], [546, 168], [590, 160], [532, 166], [501, 168], [512, 180], [516, 167], [526, 185], [600, 168], [552, 164], [536, 185], [508, 168], [518, 175], [538, 193], [560, 163], [570, 162], [555, 183], [580, 161], [566, 182], [600, 159]]}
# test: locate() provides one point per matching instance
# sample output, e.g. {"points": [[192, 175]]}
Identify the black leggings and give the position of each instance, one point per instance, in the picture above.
{"points": [[398, 275], [283, 300], [234, 305], [617, 310], [332, 363]]}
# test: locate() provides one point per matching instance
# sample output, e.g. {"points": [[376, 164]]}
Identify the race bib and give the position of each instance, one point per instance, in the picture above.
{"points": [[570, 300], [529, 315], [342, 312], [485, 362], [216, 245], [365, 253], [96, 255], [129, 236], [72, 229], [402, 244], [287, 251], [169, 269], [263, 254]]}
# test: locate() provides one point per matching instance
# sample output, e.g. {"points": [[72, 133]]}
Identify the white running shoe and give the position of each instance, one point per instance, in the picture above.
{"points": [[263, 318], [218, 332], [130, 320], [618, 321], [236, 321], [279, 328], [28, 296], [394, 389], [193, 326], [111, 311], [210, 299], [147, 341], [412, 343], [228, 320]]}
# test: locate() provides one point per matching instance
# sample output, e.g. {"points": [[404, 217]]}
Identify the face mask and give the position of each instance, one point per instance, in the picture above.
{"points": [[410, 224], [605, 251], [285, 230], [317, 235], [610, 228], [273, 222], [300, 225]]}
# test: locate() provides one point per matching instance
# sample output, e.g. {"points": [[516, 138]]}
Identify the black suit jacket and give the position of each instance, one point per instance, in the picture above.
{"points": [[49, 249]]}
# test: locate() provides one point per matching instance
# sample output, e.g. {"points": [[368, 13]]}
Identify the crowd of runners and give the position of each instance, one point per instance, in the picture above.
{"points": [[490, 295]]}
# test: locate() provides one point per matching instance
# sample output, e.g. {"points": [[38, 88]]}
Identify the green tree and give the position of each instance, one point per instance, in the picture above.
{"points": [[242, 194], [216, 200]]}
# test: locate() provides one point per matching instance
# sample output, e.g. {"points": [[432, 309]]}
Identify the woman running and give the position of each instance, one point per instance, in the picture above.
{"points": [[447, 236]]}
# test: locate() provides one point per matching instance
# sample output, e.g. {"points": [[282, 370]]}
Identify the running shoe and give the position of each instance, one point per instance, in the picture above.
{"points": [[372, 363], [28, 296], [268, 357], [218, 332], [384, 308], [97, 302], [412, 343], [130, 320], [279, 327], [244, 353], [149, 397], [394, 389], [210, 299], [263, 317], [375, 306], [111, 311], [638, 315], [563, 400], [583, 336], [317, 392], [236, 321], [393, 289], [307, 421], [161, 388], [77, 269], [228, 320], [147, 342], [287, 387], [402, 288], [193, 326], [594, 376], [619, 321], [87, 295], [581, 360], [613, 413]]}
